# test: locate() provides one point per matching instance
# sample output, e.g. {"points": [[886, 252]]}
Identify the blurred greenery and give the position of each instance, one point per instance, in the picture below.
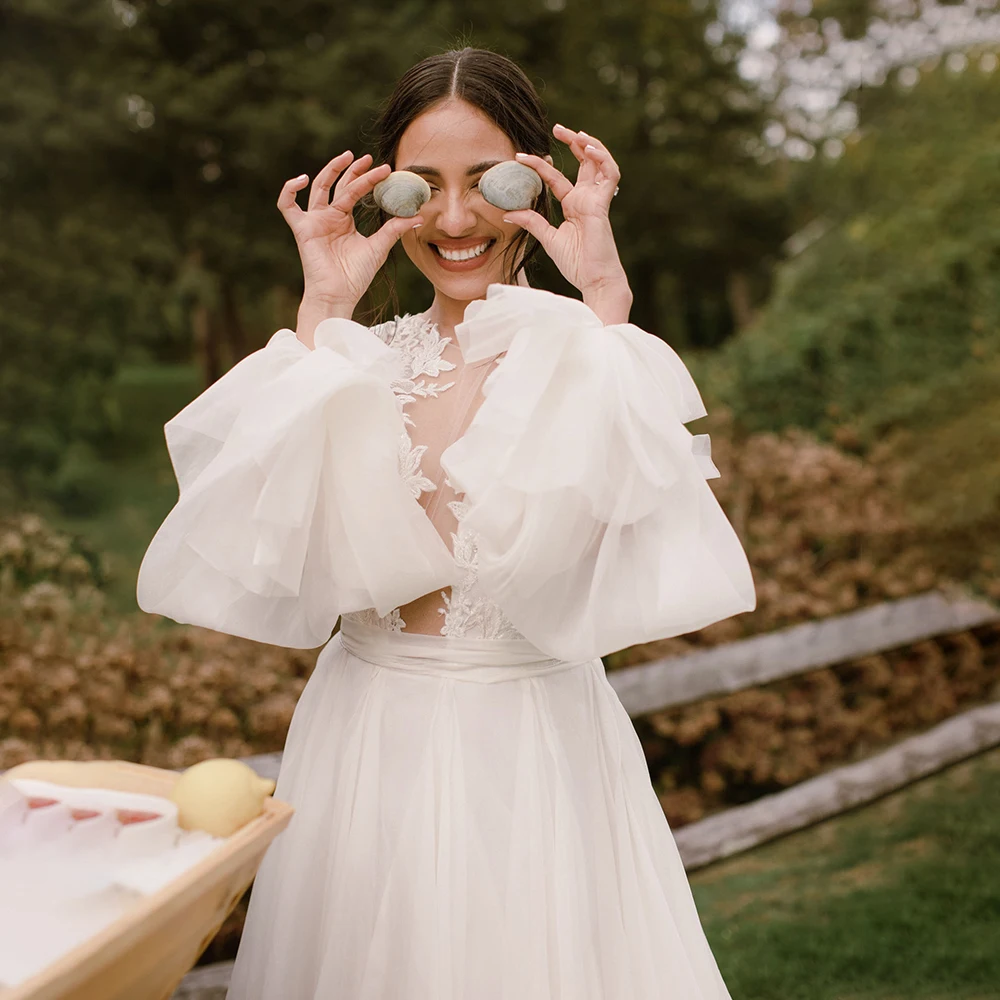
{"points": [[143, 144], [140, 486], [899, 297]]}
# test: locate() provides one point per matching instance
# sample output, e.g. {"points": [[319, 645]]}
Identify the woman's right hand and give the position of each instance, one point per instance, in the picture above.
{"points": [[338, 262]]}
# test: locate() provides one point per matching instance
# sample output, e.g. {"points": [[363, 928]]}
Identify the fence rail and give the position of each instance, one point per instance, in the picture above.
{"points": [[761, 659]]}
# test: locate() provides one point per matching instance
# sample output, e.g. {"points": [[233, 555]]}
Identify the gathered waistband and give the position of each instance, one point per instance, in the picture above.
{"points": [[482, 661]]}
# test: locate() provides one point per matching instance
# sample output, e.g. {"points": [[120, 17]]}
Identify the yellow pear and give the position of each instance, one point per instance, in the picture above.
{"points": [[219, 796]]}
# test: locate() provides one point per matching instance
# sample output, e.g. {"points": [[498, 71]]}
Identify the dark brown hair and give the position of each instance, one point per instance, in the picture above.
{"points": [[495, 85]]}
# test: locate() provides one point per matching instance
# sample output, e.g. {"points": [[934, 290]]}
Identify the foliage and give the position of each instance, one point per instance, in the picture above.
{"points": [[900, 296], [83, 261]]}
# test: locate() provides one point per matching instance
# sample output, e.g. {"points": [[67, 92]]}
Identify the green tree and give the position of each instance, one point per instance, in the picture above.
{"points": [[143, 144], [901, 297], [82, 257]]}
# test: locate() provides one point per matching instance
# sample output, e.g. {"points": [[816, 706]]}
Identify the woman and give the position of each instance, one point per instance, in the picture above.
{"points": [[490, 496]]}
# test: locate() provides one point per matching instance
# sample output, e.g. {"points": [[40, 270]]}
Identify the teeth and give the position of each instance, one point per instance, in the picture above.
{"points": [[463, 254]]}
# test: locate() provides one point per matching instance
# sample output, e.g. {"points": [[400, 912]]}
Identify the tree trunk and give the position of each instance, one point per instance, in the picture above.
{"points": [[206, 343], [740, 299], [233, 331]]}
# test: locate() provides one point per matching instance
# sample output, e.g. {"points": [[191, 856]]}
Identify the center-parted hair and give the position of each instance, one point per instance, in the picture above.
{"points": [[495, 85]]}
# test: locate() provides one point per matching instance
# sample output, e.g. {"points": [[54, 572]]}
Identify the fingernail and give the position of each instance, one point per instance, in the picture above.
{"points": [[588, 146], [505, 219], [302, 177], [417, 225], [521, 154]]}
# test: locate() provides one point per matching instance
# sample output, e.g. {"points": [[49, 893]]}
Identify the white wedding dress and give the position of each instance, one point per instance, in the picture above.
{"points": [[474, 814]]}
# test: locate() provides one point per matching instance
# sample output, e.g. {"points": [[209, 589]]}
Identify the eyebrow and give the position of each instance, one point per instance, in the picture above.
{"points": [[433, 172]]}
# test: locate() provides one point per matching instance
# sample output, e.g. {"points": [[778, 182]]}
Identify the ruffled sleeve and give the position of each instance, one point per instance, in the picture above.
{"points": [[292, 509], [596, 526]]}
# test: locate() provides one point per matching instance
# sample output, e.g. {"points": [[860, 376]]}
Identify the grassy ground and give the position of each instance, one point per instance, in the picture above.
{"points": [[144, 488], [899, 900]]}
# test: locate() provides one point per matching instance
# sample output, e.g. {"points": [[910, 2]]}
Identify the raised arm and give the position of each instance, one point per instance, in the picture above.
{"points": [[291, 507]]}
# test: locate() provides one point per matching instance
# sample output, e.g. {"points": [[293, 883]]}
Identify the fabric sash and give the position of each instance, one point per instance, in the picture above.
{"points": [[481, 661]]}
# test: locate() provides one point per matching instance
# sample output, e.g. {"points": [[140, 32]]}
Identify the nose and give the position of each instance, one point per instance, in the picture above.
{"points": [[455, 217]]}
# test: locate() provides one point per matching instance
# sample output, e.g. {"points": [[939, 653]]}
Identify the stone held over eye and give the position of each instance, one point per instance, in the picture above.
{"points": [[510, 185], [402, 193]]}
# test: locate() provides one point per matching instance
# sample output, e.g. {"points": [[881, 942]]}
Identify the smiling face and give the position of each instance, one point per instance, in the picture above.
{"points": [[459, 248]]}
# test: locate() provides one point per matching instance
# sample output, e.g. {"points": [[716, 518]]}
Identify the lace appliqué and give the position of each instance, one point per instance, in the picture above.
{"points": [[466, 611], [420, 346], [388, 623]]}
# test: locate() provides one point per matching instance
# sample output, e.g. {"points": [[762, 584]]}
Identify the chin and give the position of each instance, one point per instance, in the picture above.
{"points": [[464, 281], [464, 287]]}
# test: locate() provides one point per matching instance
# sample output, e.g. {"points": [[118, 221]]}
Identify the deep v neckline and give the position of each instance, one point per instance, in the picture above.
{"points": [[425, 348]]}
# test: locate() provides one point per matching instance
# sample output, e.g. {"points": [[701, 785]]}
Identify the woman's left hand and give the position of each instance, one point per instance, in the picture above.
{"points": [[583, 247]]}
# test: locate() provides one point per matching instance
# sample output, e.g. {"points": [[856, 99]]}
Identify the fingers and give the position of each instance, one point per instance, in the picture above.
{"points": [[574, 140], [599, 152], [597, 165], [348, 195], [353, 183], [559, 184], [608, 174], [287, 204], [587, 173], [538, 226], [319, 194], [382, 240], [358, 167]]}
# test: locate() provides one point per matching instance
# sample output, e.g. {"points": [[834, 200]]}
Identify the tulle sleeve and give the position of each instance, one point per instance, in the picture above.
{"points": [[291, 507], [596, 526]]}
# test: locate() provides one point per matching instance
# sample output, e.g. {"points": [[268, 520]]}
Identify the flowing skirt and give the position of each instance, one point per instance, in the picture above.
{"points": [[473, 821]]}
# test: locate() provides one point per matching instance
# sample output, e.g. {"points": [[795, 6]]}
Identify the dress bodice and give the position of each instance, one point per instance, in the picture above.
{"points": [[438, 394], [530, 477]]}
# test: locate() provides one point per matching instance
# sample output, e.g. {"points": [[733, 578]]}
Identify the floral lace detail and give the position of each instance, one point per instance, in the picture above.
{"points": [[421, 346], [466, 612], [391, 622]]}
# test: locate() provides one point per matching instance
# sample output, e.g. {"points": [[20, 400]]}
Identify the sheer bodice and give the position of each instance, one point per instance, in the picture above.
{"points": [[438, 393]]}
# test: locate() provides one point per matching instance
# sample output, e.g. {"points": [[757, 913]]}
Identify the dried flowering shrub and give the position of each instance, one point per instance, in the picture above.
{"points": [[78, 684], [33, 555], [732, 749]]}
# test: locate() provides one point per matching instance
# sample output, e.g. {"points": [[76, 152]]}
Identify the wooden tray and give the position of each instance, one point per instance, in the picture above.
{"points": [[147, 952]]}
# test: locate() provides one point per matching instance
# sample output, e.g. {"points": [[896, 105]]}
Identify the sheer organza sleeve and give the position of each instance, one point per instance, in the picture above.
{"points": [[596, 526], [291, 507]]}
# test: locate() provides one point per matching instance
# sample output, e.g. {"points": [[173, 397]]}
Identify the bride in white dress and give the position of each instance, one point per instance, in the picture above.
{"points": [[490, 496]]}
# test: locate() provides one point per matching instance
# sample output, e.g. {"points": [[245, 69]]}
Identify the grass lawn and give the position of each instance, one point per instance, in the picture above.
{"points": [[899, 900]]}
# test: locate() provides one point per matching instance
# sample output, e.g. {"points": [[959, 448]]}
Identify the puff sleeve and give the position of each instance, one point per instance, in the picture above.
{"points": [[291, 508], [596, 526]]}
